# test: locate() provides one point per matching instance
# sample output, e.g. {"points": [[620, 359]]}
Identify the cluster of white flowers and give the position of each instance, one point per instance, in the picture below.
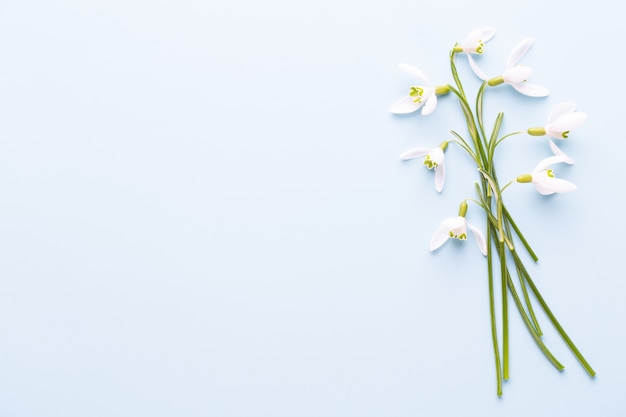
{"points": [[562, 119]]}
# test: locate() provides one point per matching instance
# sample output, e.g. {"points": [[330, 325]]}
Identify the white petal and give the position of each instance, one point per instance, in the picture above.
{"points": [[549, 161], [518, 52], [456, 225], [437, 155], [442, 234], [558, 152], [559, 110], [480, 238], [414, 153], [431, 105], [530, 90], [474, 66], [543, 189], [567, 122], [548, 185], [440, 177], [405, 105], [414, 71], [517, 74], [476, 35]]}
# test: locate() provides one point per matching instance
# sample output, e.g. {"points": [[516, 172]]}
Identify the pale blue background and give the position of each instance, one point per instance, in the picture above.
{"points": [[202, 212]]}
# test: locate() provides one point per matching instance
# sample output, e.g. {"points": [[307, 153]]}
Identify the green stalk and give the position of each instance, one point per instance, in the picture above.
{"points": [[530, 328], [505, 313], [555, 322], [492, 312], [529, 305], [520, 308], [455, 73], [519, 234]]}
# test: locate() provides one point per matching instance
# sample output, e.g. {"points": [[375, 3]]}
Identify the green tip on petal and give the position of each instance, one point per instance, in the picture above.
{"points": [[564, 134], [416, 93], [525, 178], [429, 163]]}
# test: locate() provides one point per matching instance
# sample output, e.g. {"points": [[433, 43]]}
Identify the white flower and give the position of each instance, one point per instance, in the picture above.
{"points": [[420, 96], [475, 44], [516, 75], [544, 180], [433, 159], [456, 227], [562, 119]]}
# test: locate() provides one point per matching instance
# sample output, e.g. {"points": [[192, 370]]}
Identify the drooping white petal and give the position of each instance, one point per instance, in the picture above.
{"points": [[437, 155], [549, 161], [480, 238], [518, 52], [542, 188], [414, 153], [566, 122], [531, 90], [559, 110], [431, 104], [474, 66], [549, 185], [442, 234], [405, 105], [440, 177], [517, 74], [414, 71], [456, 225], [479, 35], [558, 152]]}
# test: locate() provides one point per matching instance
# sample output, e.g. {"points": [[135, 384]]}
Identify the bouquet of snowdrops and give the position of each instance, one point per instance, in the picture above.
{"points": [[501, 239]]}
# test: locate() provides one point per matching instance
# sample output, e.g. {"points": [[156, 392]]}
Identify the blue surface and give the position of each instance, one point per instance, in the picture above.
{"points": [[202, 212]]}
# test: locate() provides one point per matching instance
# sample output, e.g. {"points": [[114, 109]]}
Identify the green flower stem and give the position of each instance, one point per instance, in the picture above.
{"points": [[520, 307], [554, 321], [471, 127], [455, 73], [479, 118], [519, 234], [492, 312], [479, 105], [529, 306], [505, 313], [530, 328], [463, 144]]}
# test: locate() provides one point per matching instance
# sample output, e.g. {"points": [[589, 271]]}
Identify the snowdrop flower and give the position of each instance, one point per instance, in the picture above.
{"points": [[544, 180], [516, 75], [562, 119], [456, 227], [433, 159], [475, 44], [420, 96]]}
